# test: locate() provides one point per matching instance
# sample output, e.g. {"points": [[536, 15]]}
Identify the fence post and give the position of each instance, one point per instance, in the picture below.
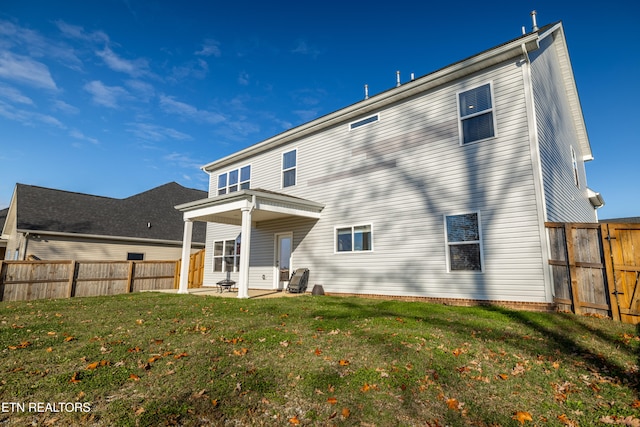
{"points": [[130, 278], [609, 272], [1, 280], [571, 260], [72, 278]]}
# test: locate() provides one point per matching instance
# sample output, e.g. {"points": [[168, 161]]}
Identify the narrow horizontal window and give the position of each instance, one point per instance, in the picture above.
{"points": [[365, 121]]}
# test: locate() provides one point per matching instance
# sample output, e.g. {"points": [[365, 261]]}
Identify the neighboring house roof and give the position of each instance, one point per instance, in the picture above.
{"points": [[148, 215], [3, 217], [628, 220]]}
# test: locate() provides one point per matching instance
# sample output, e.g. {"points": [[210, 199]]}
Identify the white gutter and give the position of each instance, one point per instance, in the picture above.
{"points": [[33, 233], [445, 75]]}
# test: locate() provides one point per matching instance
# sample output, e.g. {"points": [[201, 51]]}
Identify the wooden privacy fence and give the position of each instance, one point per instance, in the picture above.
{"points": [[30, 280], [196, 270], [596, 268]]}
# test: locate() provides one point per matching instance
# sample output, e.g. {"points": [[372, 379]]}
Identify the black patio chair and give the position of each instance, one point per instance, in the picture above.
{"points": [[298, 281]]}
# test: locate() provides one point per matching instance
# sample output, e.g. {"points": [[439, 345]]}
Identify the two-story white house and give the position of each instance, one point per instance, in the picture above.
{"points": [[437, 188]]}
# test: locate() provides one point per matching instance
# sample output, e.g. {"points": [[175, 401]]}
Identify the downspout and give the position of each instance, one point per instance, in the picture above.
{"points": [[23, 247], [537, 178]]}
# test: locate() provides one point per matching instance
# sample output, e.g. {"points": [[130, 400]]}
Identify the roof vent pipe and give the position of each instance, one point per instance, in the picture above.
{"points": [[397, 78], [413, 77], [366, 91], [533, 18]]}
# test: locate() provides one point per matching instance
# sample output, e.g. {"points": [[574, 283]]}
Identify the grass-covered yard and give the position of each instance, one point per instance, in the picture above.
{"points": [[149, 358]]}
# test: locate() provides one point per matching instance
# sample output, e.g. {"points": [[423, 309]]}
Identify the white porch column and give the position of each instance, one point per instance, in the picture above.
{"points": [[245, 252], [186, 256]]}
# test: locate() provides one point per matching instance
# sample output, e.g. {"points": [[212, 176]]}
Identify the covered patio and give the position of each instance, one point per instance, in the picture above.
{"points": [[244, 208]]}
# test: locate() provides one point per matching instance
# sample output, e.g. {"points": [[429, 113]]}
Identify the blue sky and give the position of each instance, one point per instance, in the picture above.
{"points": [[115, 97]]}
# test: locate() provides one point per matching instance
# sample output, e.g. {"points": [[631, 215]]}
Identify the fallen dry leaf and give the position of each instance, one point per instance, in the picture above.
{"points": [[318, 352], [332, 400], [346, 412], [180, 356], [343, 362], [566, 421], [74, 378], [134, 377], [453, 404], [626, 421], [294, 420], [23, 344], [93, 365], [522, 416]]}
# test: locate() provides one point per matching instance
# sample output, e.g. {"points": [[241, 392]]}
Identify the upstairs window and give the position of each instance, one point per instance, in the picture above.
{"points": [[464, 249], [476, 114], [234, 180], [289, 163], [574, 166], [354, 239]]}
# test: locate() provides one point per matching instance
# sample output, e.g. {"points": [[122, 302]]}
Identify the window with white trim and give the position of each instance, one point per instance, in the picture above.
{"points": [[289, 164], [574, 166], [354, 239], [363, 122], [464, 246], [476, 114], [234, 180], [226, 255]]}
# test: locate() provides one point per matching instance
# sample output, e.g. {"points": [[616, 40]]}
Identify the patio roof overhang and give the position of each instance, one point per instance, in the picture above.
{"points": [[243, 208], [265, 206]]}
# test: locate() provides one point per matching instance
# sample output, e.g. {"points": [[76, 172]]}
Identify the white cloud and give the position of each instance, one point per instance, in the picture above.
{"points": [[38, 46], [197, 69], [303, 48], [151, 132], [184, 161], [105, 95], [25, 70], [14, 95], [74, 133], [134, 68], [65, 108], [210, 47], [171, 106], [78, 32], [142, 89], [243, 78], [28, 118]]}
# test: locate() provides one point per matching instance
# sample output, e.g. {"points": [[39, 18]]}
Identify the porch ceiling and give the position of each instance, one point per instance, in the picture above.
{"points": [[264, 205]]}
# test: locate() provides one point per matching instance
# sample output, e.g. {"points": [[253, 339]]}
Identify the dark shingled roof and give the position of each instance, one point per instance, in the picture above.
{"points": [[3, 217], [627, 220], [46, 209]]}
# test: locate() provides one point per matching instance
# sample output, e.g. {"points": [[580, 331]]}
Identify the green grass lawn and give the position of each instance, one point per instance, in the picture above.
{"points": [[149, 358]]}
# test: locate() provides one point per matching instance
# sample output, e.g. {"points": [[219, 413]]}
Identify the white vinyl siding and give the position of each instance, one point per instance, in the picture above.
{"points": [[565, 202], [67, 248], [404, 175]]}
